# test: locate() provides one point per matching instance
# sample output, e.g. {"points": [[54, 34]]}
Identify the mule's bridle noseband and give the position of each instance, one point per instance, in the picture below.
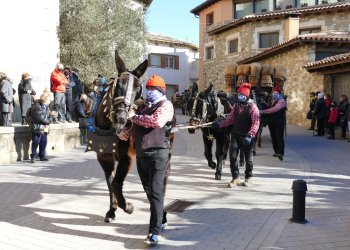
{"points": [[194, 107]]}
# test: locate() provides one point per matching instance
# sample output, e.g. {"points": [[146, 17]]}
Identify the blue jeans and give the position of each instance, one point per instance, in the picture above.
{"points": [[151, 168], [41, 141], [60, 105]]}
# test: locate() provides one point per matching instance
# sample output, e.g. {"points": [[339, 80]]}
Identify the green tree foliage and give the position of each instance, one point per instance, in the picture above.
{"points": [[90, 31]]}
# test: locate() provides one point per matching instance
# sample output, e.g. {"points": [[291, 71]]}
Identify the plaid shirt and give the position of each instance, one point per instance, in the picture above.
{"points": [[254, 114], [158, 119], [281, 103]]}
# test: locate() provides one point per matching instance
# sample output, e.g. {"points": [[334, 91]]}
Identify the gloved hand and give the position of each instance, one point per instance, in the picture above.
{"points": [[247, 140], [215, 125]]}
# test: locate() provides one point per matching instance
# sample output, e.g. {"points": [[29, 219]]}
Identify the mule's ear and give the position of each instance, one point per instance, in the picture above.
{"points": [[140, 70], [119, 63], [208, 90]]}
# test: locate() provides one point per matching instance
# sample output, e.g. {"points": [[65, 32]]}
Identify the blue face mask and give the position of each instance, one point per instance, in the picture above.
{"points": [[242, 98], [153, 95], [276, 96]]}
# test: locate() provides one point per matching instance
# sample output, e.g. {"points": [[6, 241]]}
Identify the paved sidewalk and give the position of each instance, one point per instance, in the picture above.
{"points": [[61, 204]]}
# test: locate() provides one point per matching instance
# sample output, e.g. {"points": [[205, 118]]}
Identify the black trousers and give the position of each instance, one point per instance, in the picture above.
{"points": [[151, 168], [277, 136], [235, 145], [5, 119], [320, 126]]}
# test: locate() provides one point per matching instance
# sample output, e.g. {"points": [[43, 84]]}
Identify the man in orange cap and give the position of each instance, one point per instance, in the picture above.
{"points": [[276, 117], [151, 130], [245, 119]]}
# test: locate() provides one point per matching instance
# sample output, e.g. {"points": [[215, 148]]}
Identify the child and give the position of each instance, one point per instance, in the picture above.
{"points": [[333, 117]]}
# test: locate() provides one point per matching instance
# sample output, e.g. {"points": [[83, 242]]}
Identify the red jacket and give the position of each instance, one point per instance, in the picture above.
{"points": [[333, 117], [58, 81]]}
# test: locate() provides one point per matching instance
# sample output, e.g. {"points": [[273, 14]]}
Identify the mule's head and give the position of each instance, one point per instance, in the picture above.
{"points": [[198, 107], [125, 90]]}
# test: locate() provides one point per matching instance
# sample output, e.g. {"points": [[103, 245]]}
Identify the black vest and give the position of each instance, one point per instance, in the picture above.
{"points": [[148, 138], [279, 116], [243, 120]]}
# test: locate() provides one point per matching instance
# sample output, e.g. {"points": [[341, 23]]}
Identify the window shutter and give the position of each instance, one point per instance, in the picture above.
{"points": [[149, 60], [176, 65], [162, 61]]}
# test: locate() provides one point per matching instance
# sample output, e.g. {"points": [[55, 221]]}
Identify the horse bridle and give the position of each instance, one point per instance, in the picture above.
{"points": [[194, 107], [126, 99]]}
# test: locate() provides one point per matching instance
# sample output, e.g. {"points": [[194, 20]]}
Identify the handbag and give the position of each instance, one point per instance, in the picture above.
{"points": [[309, 115]]}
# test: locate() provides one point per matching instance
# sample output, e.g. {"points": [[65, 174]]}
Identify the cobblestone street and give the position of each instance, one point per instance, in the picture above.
{"points": [[61, 204]]}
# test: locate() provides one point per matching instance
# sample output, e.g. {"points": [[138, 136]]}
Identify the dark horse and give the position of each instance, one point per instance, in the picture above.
{"points": [[204, 107], [110, 117]]}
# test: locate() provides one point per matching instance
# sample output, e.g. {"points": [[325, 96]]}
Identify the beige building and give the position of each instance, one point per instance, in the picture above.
{"points": [[292, 34]]}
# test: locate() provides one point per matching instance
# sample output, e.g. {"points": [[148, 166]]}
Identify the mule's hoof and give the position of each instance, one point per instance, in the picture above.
{"points": [[212, 165], [110, 216], [109, 219], [129, 208], [217, 176]]}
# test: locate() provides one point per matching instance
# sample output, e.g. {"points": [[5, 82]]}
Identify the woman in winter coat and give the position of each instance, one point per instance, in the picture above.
{"points": [[6, 99], [343, 110], [25, 94], [332, 120]]}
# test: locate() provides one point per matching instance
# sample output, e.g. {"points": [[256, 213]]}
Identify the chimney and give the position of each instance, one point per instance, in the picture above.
{"points": [[291, 26]]}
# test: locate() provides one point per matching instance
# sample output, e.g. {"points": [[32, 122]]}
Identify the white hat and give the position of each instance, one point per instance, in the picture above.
{"points": [[320, 95]]}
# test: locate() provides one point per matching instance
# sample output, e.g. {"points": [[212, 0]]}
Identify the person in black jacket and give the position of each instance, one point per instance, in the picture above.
{"points": [[320, 114], [343, 112], [40, 127], [25, 94], [82, 108], [313, 99]]}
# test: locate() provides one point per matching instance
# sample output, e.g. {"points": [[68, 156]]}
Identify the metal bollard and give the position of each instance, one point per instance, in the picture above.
{"points": [[299, 192]]}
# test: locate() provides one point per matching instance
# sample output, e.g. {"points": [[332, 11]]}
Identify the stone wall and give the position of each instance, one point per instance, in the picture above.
{"points": [[299, 82], [15, 142]]}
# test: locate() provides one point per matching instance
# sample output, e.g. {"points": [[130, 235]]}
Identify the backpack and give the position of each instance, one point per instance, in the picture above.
{"points": [[28, 117]]}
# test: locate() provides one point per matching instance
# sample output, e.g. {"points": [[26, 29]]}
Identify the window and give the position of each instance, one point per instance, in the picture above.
{"points": [[169, 62], [261, 6], [209, 52], [243, 9], [163, 61], [210, 18], [285, 4], [267, 40], [304, 3], [232, 46], [155, 60], [309, 30]]}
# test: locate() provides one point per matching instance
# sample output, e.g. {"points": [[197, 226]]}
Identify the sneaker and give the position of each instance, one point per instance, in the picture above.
{"points": [[43, 159], [234, 182], [151, 239], [163, 225], [280, 157], [247, 182], [32, 160], [275, 155]]}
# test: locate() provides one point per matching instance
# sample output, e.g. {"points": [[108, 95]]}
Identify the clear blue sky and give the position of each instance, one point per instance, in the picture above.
{"points": [[173, 18]]}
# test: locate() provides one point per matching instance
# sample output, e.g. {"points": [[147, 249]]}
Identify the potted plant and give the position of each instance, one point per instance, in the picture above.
{"points": [[303, 4], [324, 1], [289, 6], [278, 8], [263, 10]]}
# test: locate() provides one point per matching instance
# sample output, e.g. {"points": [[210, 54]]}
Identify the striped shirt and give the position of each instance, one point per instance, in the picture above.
{"points": [[254, 114], [158, 119]]}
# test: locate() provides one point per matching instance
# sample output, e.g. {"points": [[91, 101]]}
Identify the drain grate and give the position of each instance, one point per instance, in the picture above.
{"points": [[178, 206]]}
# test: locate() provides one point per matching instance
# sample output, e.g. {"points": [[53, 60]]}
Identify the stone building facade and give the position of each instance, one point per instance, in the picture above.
{"points": [[288, 24]]}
